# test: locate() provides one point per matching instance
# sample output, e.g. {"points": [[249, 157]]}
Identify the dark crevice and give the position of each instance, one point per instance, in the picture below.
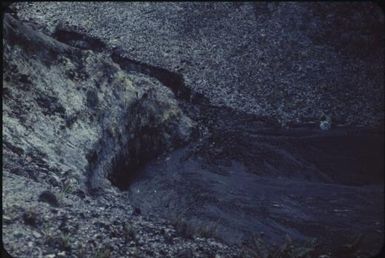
{"points": [[174, 81], [79, 40], [147, 143], [126, 166], [136, 144]]}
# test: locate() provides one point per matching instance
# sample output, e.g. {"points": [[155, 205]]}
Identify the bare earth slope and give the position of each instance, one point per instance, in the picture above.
{"points": [[288, 61], [192, 129]]}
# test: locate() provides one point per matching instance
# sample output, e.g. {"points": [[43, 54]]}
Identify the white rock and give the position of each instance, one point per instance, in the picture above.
{"points": [[36, 234], [325, 125]]}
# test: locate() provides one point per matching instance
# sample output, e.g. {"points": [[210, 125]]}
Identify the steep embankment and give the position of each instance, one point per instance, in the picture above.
{"points": [[72, 119], [88, 114]]}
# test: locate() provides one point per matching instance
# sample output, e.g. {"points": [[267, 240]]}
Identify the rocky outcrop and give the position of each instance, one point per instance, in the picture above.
{"points": [[74, 123], [289, 61], [99, 122]]}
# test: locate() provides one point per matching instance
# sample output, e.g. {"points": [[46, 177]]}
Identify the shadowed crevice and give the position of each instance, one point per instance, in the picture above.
{"points": [[79, 40], [174, 81]]}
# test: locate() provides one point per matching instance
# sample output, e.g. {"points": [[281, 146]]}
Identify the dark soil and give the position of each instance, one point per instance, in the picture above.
{"points": [[243, 176]]}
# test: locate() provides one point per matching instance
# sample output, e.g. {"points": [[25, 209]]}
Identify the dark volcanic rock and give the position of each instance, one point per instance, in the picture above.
{"points": [[49, 198], [206, 116], [98, 115], [288, 61]]}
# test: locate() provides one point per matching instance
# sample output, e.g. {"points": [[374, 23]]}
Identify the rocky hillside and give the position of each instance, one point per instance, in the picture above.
{"points": [[288, 61], [72, 118], [79, 110], [192, 129]]}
